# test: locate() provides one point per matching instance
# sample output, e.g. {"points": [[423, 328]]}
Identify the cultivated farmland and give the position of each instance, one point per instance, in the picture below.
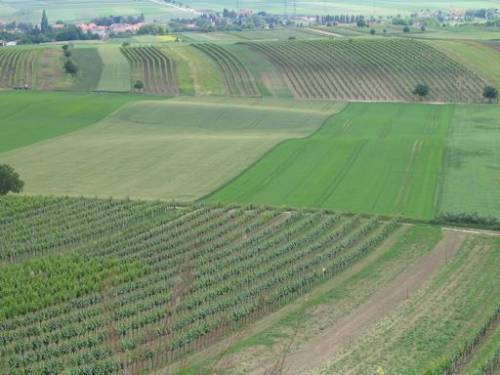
{"points": [[284, 199], [370, 70], [116, 73], [153, 67], [147, 287], [238, 80], [423, 302], [471, 179], [18, 67], [371, 158], [22, 125], [174, 149], [368, 7]]}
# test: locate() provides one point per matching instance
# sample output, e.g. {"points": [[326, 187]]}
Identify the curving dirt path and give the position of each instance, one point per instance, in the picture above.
{"points": [[324, 347]]}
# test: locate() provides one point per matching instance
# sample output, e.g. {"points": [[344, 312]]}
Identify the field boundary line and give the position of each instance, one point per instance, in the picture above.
{"points": [[268, 152], [439, 189], [480, 232], [250, 106]]}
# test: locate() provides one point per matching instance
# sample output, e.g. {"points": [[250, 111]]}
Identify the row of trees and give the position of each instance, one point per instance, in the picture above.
{"points": [[27, 33], [69, 65], [490, 93]]}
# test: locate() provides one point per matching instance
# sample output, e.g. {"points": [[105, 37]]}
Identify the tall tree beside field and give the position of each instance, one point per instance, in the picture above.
{"points": [[44, 24], [490, 93], [9, 180]]}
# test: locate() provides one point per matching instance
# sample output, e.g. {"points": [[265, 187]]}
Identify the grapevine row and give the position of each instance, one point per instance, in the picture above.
{"points": [[239, 81], [154, 68], [370, 70]]}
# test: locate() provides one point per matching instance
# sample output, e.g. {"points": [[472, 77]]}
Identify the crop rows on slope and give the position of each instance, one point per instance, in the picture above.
{"points": [[154, 68], [370, 70], [17, 67], [239, 81], [212, 269], [54, 225]]}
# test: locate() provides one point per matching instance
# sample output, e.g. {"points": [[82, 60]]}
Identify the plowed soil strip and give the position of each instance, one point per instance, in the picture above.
{"points": [[324, 347]]}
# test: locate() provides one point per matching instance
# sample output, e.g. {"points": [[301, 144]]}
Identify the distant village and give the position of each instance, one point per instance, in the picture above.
{"points": [[14, 33], [104, 31]]}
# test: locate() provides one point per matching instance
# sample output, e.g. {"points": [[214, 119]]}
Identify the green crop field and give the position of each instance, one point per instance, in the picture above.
{"points": [[116, 73], [471, 181], [140, 284], [206, 78], [17, 67], [475, 55], [113, 286], [273, 196], [279, 33], [238, 80], [371, 158], [370, 70], [174, 149], [22, 125], [90, 67], [153, 67]]}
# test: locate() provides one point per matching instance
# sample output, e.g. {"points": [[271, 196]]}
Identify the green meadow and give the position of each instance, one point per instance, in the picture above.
{"points": [[22, 124], [172, 149], [371, 158], [115, 75], [471, 182]]}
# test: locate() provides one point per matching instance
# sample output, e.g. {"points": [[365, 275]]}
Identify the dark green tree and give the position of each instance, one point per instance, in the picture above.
{"points": [[406, 29], [490, 93], [9, 180], [139, 85], [361, 22], [44, 24], [372, 31], [70, 67], [422, 90]]}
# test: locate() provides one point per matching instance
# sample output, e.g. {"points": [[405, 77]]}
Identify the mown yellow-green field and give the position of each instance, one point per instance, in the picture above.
{"points": [[176, 149]]}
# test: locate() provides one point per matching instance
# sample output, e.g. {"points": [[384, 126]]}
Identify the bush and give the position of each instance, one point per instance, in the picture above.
{"points": [[139, 85], [406, 29], [490, 93], [9, 180], [70, 67], [152, 30], [421, 90], [469, 219]]}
